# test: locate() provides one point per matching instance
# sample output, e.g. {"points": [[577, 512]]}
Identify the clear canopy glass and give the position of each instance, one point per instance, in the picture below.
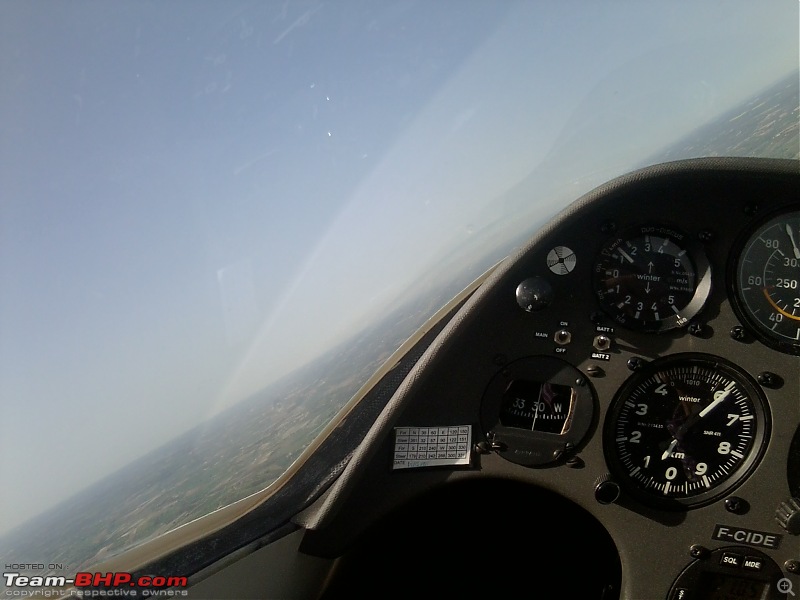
{"points": [[218, 219]]}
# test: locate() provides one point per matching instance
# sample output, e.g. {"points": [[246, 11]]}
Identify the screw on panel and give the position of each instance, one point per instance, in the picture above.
{"points": [[793, 566], [595, 371], [494, 444], [635, 363], [737, 333], [769, 379], [705, 236], [698, 551], [608, 227], [696, 329], [575, 462], [736, 505], [751, 209], [482, 448], [565, 451]]}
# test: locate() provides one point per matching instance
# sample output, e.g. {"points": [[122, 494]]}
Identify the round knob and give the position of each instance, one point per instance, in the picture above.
{"points": [[606, 490], [788, 515], [534, 294]]}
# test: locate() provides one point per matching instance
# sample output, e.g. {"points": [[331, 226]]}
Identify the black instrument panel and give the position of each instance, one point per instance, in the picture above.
{"points": [[635, 380]]}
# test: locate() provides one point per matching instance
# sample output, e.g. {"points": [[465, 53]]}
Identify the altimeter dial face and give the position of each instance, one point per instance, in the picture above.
{"points": [[685, 430]]}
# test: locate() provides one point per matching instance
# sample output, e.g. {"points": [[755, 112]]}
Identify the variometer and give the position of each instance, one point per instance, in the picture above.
{"points": [[652, 278]]}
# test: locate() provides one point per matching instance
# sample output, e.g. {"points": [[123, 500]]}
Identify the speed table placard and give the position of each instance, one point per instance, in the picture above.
{"points": [[431, 446]]}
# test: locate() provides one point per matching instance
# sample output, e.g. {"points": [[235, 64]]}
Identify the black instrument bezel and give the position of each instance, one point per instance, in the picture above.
{"points": [[746, 467], [751, 324], [698, 258]]}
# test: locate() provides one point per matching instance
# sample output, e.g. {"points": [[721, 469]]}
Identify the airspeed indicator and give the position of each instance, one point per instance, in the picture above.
{"points": [[768, 282]]}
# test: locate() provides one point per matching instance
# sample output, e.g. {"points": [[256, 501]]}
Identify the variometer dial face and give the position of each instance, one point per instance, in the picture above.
{"points": [[768, 282], [685, 430], [652, 279]]}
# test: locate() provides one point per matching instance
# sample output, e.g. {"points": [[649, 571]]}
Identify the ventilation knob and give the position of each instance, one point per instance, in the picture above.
{"points": [[788, 515]]}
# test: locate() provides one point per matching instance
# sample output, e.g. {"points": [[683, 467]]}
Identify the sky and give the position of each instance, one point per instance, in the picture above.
{"points": [[198, 197]]}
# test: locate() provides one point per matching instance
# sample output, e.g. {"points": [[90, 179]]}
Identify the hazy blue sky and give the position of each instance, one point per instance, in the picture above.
{"points": [[197, 197]]}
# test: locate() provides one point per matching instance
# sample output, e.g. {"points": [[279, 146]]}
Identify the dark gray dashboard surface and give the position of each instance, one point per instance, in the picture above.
{"points": [[713, 203]]}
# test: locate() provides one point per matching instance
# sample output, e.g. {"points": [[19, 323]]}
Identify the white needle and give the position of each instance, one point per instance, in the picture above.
{"points": [[536, 414], [628, 258], [714, 404], [794, 244], [669, 450]]}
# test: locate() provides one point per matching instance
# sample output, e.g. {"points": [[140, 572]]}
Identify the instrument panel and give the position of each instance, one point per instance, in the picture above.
{"points": [[639, 358]]}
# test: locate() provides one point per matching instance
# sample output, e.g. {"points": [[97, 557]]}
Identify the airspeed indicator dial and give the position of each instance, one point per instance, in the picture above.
{"points": [[685, 430], [768, 282]]}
